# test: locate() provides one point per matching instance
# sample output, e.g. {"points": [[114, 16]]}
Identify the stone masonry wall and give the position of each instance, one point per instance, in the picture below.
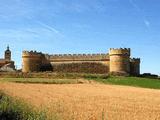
{"points": [[84, 67], [118, 60]]}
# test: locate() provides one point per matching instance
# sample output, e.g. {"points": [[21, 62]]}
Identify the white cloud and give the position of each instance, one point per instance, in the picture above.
{"points": [[145, 20], [48, 27], [28, 35], [132, 2]]}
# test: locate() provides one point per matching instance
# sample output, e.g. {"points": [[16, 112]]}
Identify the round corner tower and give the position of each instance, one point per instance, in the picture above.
{"points": [[120, 60], [31, 61]]}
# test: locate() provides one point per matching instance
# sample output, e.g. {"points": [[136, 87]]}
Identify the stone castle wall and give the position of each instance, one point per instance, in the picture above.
{"points": [[81, 67], [118, 60], [37, 61], [135, 66], [77, 57]]}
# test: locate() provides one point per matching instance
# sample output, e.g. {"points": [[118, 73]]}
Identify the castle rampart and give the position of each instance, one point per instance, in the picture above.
{"points": [[79, 57], [118, 60], [120, 51], [135, 66]]}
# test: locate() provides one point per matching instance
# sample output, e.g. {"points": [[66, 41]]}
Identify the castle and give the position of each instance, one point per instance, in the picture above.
{"points": [[6, 64], [116, 61]]}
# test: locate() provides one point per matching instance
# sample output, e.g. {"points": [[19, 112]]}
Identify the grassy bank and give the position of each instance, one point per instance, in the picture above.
{"points": [[12, 109], [129, 81], [50, 78], [50, 75], [71, 78], [44, 80]]}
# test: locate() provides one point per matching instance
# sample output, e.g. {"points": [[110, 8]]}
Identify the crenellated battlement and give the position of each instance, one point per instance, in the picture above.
{"points": [[117, 61], [66, 56], [79, 56], [32, 53], [119, 51], [135, 60]]}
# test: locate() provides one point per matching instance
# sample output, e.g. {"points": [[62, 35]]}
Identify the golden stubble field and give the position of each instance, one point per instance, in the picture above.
{"points": [[89, 101]]}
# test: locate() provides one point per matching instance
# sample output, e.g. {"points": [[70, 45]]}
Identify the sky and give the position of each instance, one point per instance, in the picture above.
{"points": [[82, 26]]}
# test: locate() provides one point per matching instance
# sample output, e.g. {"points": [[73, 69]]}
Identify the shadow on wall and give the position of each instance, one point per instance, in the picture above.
{"points": [[46, 67], [81, 68]]}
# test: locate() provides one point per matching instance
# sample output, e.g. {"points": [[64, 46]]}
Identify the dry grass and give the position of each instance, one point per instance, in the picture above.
{"points": [[90, 101]]}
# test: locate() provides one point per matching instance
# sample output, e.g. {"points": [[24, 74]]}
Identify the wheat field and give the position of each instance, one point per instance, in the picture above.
{"points": [[89, 101]]}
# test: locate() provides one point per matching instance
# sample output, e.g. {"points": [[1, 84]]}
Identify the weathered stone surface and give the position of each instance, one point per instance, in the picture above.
{"points": [[118, 61]]}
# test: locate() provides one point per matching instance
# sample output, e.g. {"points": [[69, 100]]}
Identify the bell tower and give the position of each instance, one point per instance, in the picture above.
{"points": [[7, 54]]}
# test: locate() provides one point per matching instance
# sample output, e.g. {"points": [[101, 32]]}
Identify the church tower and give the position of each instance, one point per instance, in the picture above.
{"points": [[7, 55]]}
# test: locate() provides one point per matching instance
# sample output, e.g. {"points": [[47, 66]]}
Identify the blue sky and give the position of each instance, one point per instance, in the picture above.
{"points": [[82, 26]]}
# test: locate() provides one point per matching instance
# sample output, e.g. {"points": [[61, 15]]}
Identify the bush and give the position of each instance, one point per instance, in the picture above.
{"points": [[149, 75]]}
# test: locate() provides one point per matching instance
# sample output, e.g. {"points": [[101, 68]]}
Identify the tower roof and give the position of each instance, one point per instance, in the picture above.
{"points": [[8, 47], [8, 50]]}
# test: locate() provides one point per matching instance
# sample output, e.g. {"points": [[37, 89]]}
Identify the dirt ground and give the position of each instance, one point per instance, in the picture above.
{"points": [[89, 101]]}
